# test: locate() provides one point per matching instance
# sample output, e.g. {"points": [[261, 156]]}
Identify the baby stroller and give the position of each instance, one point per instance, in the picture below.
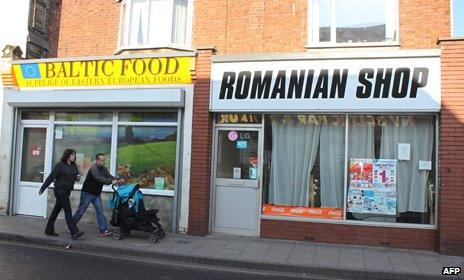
{"points": [[129, 213]]}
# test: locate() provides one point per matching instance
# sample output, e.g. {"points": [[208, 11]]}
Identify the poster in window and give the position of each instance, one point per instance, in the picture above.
{"points": [[361, 173], [372, 186]]}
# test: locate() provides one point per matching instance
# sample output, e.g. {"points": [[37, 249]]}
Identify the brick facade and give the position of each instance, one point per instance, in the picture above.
{"points": [[451, 192], [425, 239], [88, 28], [200, 180]]}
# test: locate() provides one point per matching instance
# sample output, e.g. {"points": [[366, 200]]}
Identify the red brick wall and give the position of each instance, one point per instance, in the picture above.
{"points": [[200, 179], [265, 26], [425, 239], [88, 28], [451, 202]]}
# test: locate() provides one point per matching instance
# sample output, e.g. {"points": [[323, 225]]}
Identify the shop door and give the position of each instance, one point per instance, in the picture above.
{"points": [[236, 184], [30, 171]]}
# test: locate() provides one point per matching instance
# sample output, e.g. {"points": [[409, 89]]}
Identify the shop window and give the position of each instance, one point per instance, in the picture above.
{"points": [[87, 140], [457, 18], [148, 117], [147, 155], [153, 23], [359, 22], [304, 166], [32, 115], [391, 169], [84, 117]]}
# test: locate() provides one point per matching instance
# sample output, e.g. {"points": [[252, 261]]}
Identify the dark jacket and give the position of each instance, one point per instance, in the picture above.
{"points": [[64, 175], [96, 178]]}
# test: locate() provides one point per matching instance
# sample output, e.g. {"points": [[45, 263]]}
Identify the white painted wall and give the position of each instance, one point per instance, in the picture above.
{"points": [[13, 23], [182, 226], [6, 137]]}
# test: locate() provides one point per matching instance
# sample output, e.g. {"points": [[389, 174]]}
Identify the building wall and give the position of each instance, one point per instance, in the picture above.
{"points": [[91, 27], [200, 180], [87, 28], [451, 214], [255, 27], [6, 138], [425, 239]]}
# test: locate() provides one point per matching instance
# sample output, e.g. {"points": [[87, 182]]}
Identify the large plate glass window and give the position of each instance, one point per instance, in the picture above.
{"points": [[391, 173], [153, 23], [341, 22], [87, 140], [304, 166], [146, 152]]}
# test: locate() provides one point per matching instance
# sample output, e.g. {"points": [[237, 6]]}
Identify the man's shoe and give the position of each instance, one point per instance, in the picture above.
{"points": [[106, 233], [77, 235], [52, 233]]}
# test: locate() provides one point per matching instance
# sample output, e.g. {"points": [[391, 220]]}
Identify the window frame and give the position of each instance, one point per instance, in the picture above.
{"points": [[124, 20], [114, 124], [312, 43], [344, 220]]}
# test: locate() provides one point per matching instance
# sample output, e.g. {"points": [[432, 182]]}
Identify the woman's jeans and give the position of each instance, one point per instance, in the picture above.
{"points": [[86, 199], [62, 202]]}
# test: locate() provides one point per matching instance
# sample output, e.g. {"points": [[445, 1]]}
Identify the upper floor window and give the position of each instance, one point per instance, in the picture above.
{"points": [[153, 23], [353, 22], [457, 18]]}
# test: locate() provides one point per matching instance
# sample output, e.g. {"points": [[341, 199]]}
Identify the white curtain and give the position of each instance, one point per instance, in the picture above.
{"points": [[180, 22], [294, 149], [361, 137], [138, 23], [332, 163], [410, 181]]}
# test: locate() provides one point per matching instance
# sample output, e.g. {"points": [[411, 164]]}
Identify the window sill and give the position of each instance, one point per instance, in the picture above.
{"points": [[108, 189], [349, 222], [354, 46], [154, 48]]}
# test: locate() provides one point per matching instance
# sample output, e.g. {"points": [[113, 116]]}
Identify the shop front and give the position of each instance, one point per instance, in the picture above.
{"points": [[339, 148], [135, 110]]}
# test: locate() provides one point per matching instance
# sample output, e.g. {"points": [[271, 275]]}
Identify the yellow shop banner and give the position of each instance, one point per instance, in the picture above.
{"points": [[104, 72]]}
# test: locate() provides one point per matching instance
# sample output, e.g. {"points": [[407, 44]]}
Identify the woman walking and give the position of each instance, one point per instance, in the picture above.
{"points": [[64, 174]]}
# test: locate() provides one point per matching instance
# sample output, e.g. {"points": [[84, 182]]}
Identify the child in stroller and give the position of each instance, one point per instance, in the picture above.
{"points": [[129, 213]]}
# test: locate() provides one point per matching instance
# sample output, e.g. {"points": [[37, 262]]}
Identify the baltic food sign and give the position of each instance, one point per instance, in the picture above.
{"points": [[374, 84], [104, 72]]}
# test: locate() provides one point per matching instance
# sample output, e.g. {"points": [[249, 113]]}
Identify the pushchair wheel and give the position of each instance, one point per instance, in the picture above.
{"points": [[153, 238], [117, 235], [160, 233]]}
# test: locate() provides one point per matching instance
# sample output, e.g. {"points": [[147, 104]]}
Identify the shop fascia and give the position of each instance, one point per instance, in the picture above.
{"points": [[390, 83], [103, 71]]}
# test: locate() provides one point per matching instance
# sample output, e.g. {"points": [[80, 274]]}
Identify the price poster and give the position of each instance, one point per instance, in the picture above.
{"points": [[372, 189]]}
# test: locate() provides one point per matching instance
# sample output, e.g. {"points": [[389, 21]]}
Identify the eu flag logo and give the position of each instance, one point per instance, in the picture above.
{"points": [[30, 71]]}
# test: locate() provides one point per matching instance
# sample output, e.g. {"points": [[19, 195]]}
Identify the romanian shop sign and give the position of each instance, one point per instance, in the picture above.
{"points": [[354, 84], [103, 72]]}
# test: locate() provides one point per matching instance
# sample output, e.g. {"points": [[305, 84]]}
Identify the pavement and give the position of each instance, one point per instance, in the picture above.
{"points": [[301, 257]]}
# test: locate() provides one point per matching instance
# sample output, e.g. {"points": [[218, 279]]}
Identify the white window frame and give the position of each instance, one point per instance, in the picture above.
{"points": [[114, 124], [124, 21], [313, 32], [346, 179]]}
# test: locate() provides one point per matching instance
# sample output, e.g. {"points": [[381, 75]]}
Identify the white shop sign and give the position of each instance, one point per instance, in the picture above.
{"points": [[350, 85]]}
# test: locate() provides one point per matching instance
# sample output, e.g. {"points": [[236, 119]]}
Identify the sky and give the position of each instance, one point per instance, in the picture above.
{"points": [[458, 18]]}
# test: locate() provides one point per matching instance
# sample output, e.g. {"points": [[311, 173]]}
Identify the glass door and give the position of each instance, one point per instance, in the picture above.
{"points": [[237, 181], [31, 171]]}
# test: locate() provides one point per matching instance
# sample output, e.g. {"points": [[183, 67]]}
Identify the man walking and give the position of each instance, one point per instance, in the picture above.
{"points": [[97, 176]]}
